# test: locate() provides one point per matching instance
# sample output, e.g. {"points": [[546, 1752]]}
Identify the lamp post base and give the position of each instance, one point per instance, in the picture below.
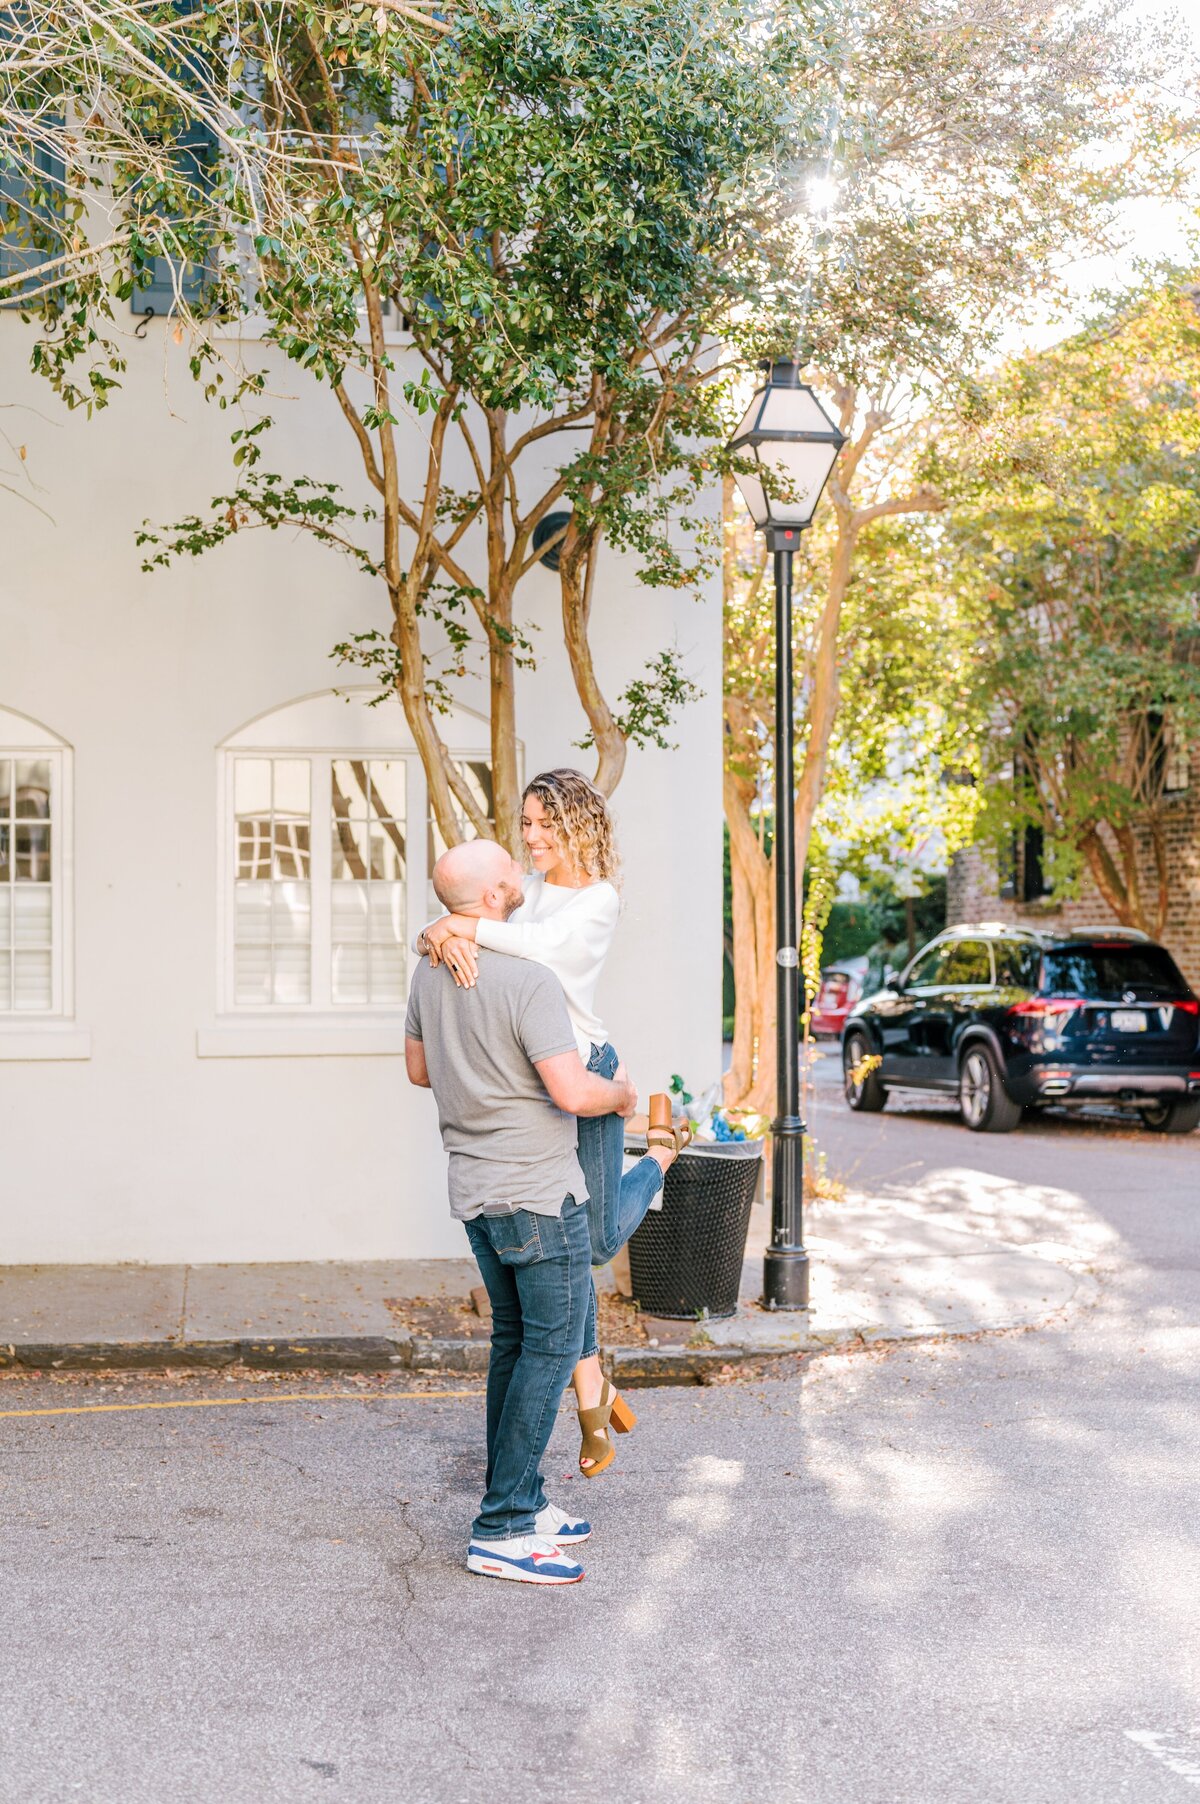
{"points": [[785, 1279]]}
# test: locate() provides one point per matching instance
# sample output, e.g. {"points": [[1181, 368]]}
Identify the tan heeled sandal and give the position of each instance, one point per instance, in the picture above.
{"points": [[662, 1130], [612, 1413]]}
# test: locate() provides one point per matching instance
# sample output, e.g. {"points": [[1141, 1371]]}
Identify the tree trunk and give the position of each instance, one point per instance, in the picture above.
{"points": [[750, 1082], [576, 572], [824, 697], [506, 777], [434, 754], [1111, 882]]}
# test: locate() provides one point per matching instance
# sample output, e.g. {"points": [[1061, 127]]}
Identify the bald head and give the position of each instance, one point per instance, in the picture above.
{"points": [[478, 878]]}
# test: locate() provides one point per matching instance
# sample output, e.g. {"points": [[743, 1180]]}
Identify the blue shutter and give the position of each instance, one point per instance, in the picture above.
{"points": [[195, 154], [17, 253]]}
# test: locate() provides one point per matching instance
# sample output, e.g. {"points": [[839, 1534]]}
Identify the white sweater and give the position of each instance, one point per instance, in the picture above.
{"points": [[570, 932]]}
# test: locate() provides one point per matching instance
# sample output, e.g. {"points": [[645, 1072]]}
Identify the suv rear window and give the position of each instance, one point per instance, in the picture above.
{"points": [[1106, 971]]}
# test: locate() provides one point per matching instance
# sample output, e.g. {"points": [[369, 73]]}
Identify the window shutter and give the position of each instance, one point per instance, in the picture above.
{"points": [[30, 206], [165, 279]]}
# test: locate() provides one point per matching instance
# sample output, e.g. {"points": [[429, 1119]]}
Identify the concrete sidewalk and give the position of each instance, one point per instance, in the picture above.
{"points": [[884, 1269]]}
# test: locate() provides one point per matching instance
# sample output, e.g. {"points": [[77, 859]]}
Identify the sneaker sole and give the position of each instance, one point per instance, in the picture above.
{"points": [[494, 1569], [569, 1540]]}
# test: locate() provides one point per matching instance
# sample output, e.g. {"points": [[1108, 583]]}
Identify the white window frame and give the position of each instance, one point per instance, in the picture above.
{"points": [[49, 1033], [320, 878], [322, 1027]]}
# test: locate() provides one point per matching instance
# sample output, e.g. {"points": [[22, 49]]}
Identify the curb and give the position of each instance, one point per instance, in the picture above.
{"points": [[338, 1353], [632, 1365]]}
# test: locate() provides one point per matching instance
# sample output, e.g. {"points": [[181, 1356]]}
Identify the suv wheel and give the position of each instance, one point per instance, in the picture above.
{"points": [[986, 1106], [869, 1094], [1173, 1117]]}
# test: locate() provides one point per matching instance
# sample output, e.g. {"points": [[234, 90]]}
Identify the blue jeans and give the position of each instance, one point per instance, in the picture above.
{"points": [[617, 1200], [537, 1272]]}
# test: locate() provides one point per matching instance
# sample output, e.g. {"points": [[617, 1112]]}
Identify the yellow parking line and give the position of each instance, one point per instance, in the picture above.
{"points": [[95, 1409]]}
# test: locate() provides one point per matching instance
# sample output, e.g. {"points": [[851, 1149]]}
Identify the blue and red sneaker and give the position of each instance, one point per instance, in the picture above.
{"points": [[553, 1524], [528, 1558]]}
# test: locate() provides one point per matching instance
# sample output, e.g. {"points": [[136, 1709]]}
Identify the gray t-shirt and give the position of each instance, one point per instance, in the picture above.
{"points": [[509, 1146]]}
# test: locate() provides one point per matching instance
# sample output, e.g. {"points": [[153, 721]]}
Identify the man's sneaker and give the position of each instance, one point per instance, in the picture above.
{"points": [[553, 1524], [526, 1557]]}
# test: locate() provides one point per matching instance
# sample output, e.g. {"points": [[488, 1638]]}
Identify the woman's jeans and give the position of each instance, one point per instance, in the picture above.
{"points": [[617, 1199], [537, 1270]]}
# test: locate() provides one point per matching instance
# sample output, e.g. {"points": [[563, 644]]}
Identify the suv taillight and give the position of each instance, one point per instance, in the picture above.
{"points": [[1041, 1006]]}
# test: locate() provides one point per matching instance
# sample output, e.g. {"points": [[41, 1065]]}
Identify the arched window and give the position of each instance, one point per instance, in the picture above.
{"points": [[326, 846], [35, 852]]}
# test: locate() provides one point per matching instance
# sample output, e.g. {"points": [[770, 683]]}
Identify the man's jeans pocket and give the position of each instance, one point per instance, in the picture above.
{"points": [[515, 1239]]}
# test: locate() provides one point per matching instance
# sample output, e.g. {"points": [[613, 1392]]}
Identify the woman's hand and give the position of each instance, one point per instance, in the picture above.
{"points": [[449, 927], [461, 957]]}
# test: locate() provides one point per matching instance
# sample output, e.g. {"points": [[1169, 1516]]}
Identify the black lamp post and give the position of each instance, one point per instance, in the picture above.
{"points": [[789, 435]]}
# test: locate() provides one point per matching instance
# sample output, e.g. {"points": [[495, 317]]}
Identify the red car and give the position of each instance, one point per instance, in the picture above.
{"points": [[841, 987]]}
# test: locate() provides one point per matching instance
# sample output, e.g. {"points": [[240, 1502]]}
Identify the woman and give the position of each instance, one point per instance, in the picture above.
{"points": [[566, 922]]}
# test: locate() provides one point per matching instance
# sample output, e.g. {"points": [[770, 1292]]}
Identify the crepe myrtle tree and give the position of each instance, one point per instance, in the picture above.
{"points": [[980, 148], [574, 210], [1078, 557]]}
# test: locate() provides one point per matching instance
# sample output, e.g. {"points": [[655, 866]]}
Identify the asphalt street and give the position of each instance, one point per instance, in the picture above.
{"points": [[960, 1570]]}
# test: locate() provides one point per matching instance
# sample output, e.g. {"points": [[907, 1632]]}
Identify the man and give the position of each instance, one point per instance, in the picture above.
{"points": [[501, 1060]]}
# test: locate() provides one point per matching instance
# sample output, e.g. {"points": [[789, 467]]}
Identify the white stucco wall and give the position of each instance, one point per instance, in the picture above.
{"points": [[146, 1150]]}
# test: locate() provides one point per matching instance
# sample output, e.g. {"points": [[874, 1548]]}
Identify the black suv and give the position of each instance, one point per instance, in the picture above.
{"points": [[1009, 1019]]}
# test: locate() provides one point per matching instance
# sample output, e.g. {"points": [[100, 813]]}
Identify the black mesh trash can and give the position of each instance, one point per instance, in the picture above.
{"points": [[686, 1258]]}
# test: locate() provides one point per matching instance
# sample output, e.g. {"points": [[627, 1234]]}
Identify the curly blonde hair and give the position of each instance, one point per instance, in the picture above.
{"points": [[578, 814]]}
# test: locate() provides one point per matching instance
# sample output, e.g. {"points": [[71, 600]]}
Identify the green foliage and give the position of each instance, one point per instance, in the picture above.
{"points": [[1077, 559], [572, 208]]}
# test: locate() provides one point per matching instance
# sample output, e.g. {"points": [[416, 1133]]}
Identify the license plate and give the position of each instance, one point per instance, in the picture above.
{"points": [[1129, 1020]]}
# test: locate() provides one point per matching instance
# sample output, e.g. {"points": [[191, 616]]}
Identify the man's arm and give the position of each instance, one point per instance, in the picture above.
{"points": [[578, 1091], [414, 1062]]}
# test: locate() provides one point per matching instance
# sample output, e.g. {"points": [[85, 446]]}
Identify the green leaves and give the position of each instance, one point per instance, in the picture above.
{"points": [[1077, 558]]}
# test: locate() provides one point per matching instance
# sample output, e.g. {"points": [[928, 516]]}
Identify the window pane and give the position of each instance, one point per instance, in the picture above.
{"points": [[292, 787], [387, 853], [5, 980], [349, 789], [477, 774], [291, 985], [291, 914], [351, 974], [1106, 971], [252, 975], [291, 849], [32, 987], [350, 913], [966, 962], [254, 848], [273, 901], [350, 849], [31, 916], [1017, 965], [32, 852], [388, 974], [5, 788], [252, 913], [252, 786], [387, 785], [925, 969], [32, 792], [387, 914], [6, 918], [5, 852]]}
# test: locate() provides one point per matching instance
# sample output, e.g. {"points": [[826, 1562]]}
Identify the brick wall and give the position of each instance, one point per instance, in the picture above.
{"points": [[973, 888]]}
